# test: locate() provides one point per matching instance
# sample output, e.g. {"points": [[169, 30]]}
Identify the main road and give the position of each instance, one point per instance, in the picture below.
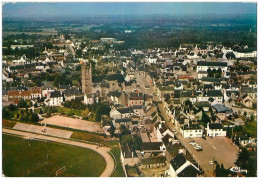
{"points": [[101, 150]]}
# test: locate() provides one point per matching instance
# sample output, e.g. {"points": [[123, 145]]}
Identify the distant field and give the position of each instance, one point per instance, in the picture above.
{"points": [[5, 33], [31, 158]]}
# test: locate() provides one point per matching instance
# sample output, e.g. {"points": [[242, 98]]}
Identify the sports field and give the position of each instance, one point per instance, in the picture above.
{"points": [[33, 158], [73, 123]]}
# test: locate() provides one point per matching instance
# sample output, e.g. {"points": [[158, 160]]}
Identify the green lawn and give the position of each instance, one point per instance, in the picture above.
{"points": [[69, 111], [8, 123], [31, 158], [119, 172], [94, 138], [250, 128]]}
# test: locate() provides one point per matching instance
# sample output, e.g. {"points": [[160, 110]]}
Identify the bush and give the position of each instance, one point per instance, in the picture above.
{"points": [[12, 107]]}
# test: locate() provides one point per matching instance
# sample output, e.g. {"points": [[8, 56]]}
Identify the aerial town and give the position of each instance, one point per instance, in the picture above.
{"points": [[186, 110]]}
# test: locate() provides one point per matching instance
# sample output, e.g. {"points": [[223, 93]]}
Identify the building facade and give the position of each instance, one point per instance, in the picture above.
{"points": [[86, 78]]}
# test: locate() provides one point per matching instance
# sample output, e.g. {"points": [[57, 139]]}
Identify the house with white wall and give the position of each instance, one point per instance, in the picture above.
{"points": [[215, 129], [54, 98], [191, 130], [162, 130], [204, 66]]}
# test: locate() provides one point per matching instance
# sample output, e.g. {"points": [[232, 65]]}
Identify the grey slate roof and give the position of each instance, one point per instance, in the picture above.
{"points": [[215, 126], [125, 110], [212, 93], [123, 120], [151, 145], [248, 90], [72, 91], [55, 94], [222, 109], [178, 161], [163, 128], [203, 63], [189, 171], [192, 126]]}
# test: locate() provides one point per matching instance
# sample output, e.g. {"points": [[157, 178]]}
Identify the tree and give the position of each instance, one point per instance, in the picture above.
{"points": [[85, 113], [79, 52], [67, 36], [209, 73], [252, 117], [137, 142], [205, 118], [40, 112], [188, 103], [5, 113], [12, 107], [22, 104], [124, 130], [243, 157], [221, 171], [34, 117], [127, 140]]}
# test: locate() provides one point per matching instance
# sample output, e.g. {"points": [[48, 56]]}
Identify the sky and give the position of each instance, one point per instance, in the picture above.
{"points": [[76, 9]]}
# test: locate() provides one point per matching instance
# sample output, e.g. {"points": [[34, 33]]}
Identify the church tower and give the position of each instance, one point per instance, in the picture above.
{"points": [[86, 78]]}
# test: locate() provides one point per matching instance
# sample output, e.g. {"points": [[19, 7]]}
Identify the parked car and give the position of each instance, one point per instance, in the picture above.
{"points": [[198, 149], [211, 163]]}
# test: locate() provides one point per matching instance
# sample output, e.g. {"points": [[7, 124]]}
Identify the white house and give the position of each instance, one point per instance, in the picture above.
{"points": [[210, 95], [36, 93], [215, 129], [193, 130], [90, 99], [54, 98], [162, 130], [204, 66], [119, 113], [245, 54]]}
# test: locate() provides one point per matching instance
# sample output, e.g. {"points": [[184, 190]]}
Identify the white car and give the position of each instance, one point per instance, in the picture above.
{"points": [[192, 143], [211, 163]]}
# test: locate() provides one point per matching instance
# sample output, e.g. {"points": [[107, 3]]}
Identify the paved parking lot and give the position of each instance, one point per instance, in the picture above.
{"points": [[218, 148], [38, 129], [73, 123]]}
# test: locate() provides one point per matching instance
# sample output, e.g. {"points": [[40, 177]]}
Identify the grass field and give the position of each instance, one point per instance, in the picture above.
{"points": [[7, 123], [251, 128], [32, 158], [69, 111], [119, 172], [94, 138]]}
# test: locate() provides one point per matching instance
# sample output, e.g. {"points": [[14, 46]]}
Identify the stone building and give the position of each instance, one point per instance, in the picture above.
{"points": [[86, 78]]}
